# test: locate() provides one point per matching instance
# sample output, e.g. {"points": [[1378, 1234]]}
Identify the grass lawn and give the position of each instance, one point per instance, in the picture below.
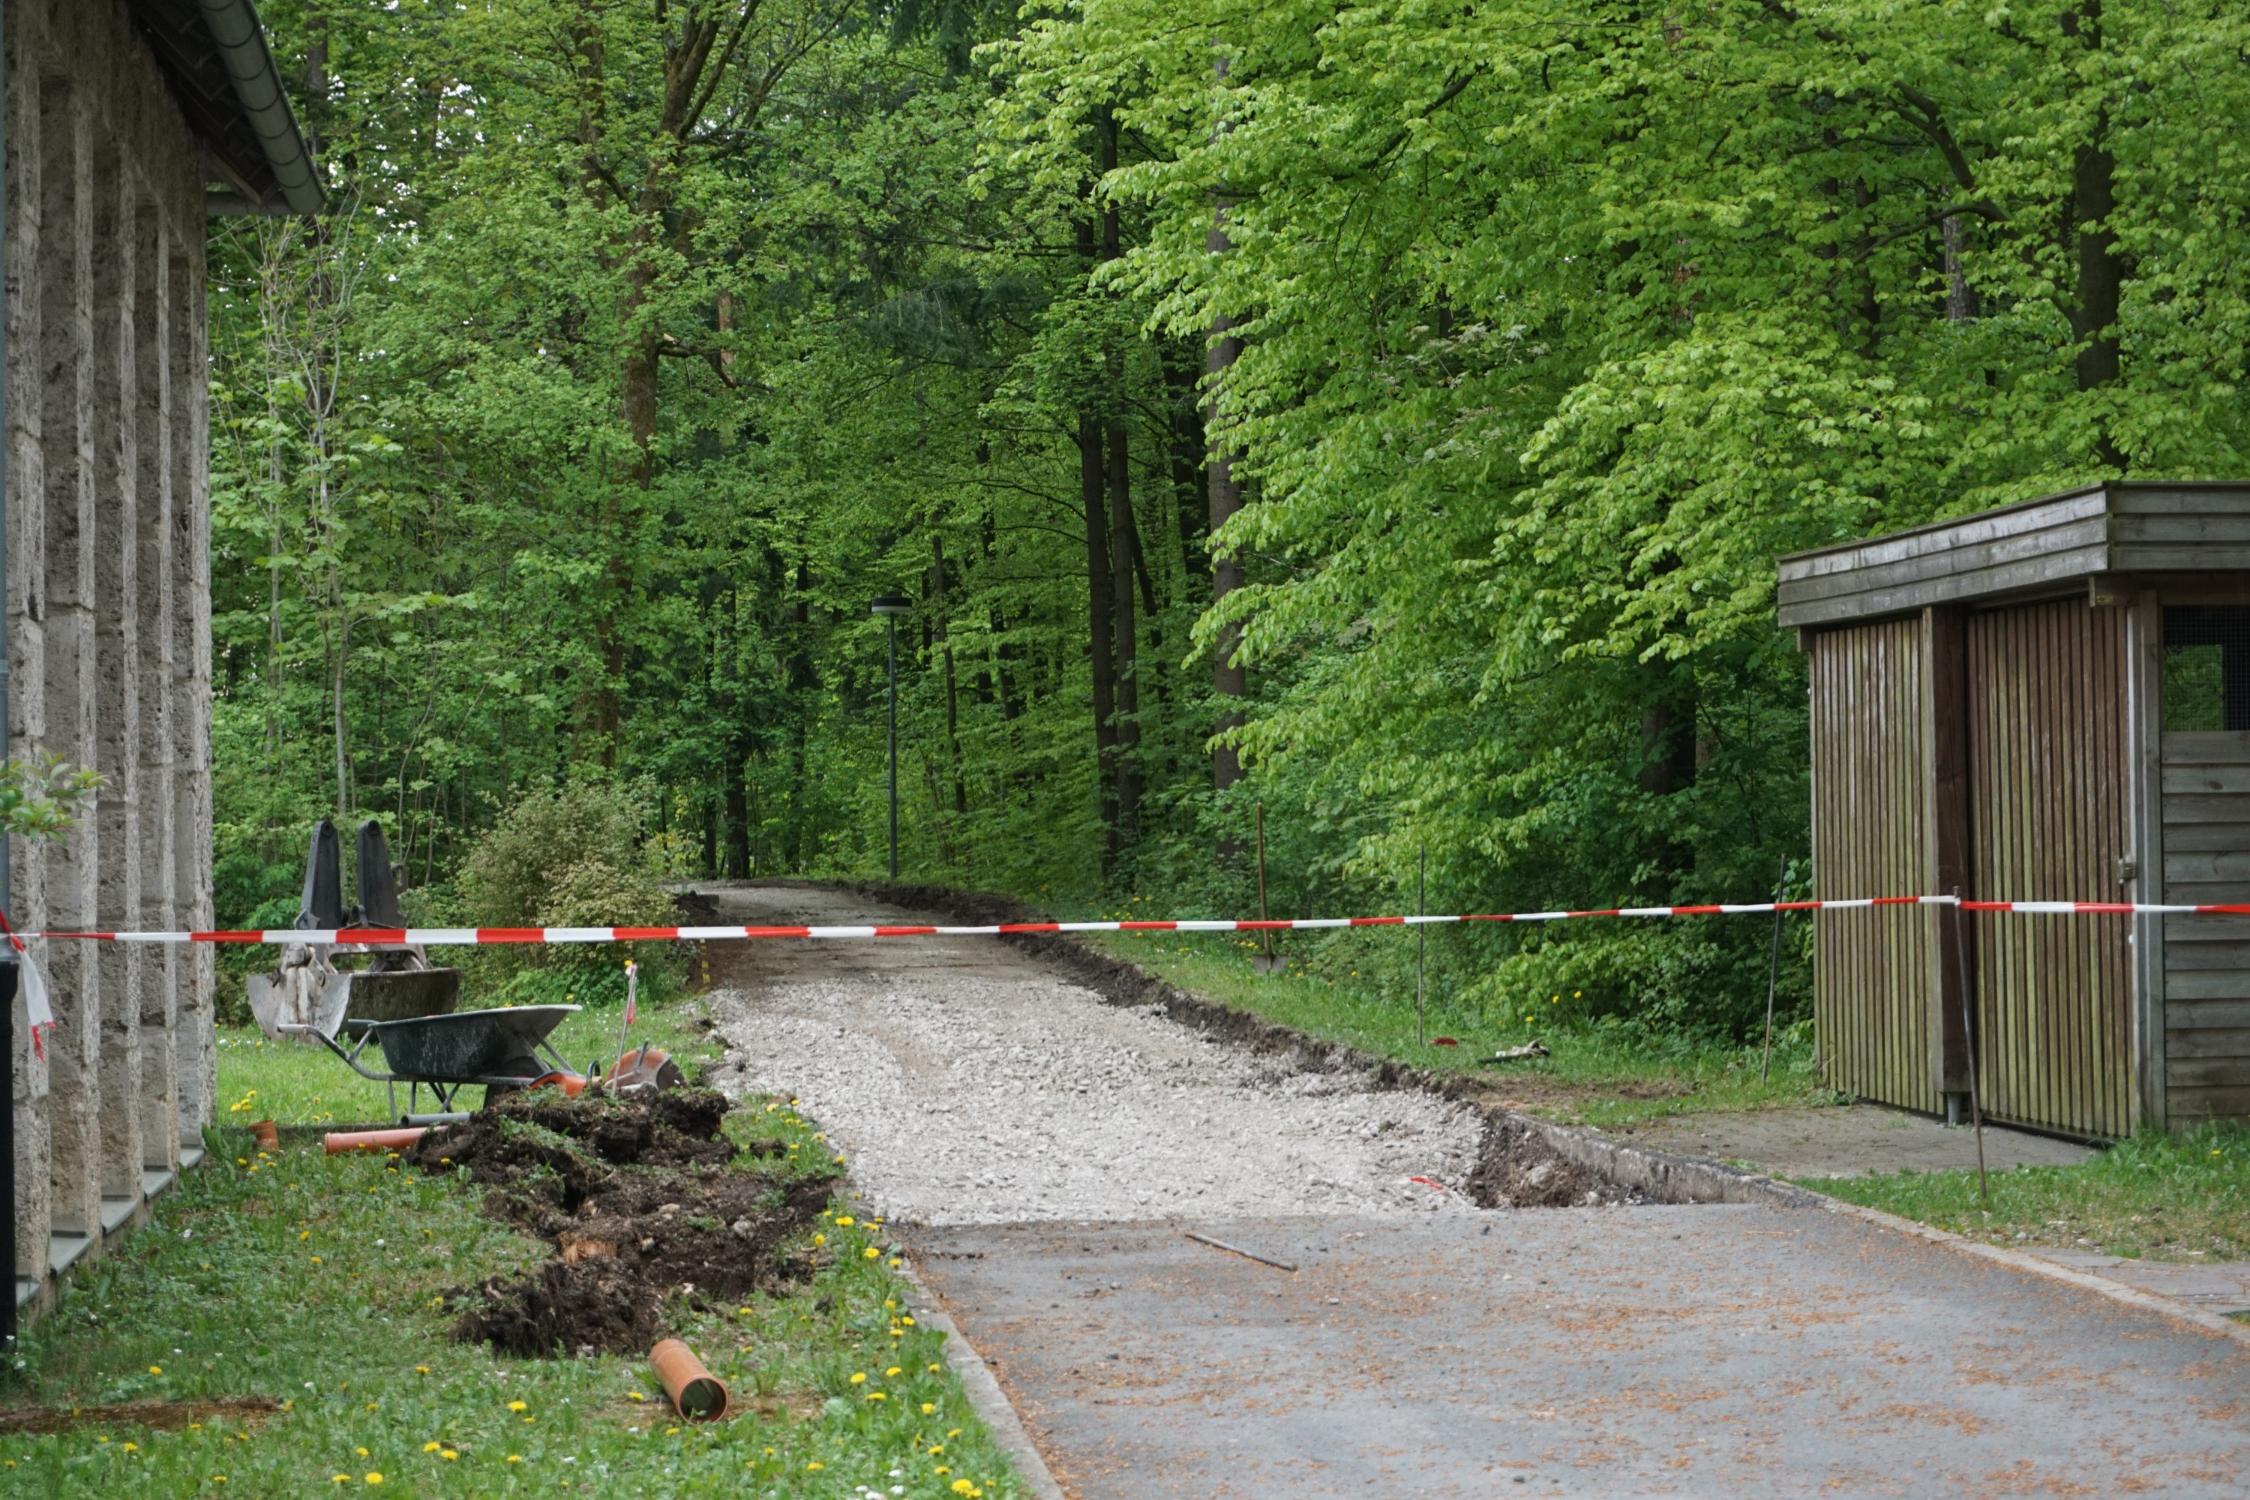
{"points": [[1603, 1076], [323, 1283], [2183, 1197]]}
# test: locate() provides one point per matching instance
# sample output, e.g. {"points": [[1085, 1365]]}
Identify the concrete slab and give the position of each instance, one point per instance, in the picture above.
{"points": [[1730, 1349], [1849, 1141], [2220, 1286]]}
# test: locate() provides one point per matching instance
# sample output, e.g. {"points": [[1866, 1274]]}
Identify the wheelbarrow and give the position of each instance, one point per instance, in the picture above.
{"points": [[500, 1050], [309, 993]]}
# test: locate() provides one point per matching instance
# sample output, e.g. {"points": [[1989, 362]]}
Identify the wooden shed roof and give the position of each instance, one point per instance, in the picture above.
{"points": [[2045, 546]]}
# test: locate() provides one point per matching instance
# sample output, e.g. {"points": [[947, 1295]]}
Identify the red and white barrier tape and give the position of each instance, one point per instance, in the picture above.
{"points": [[473, 936], [469, 936]]}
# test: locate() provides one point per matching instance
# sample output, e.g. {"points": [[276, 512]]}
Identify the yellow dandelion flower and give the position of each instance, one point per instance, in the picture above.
{"points": [[430, 1447], [877, 1396], [814, 1466], [421, 1369], [635, 1396], [929, 1408], [132, 1447], [373, 1477], [894, 1372], [819, 1240], [515, 1458], [871, 1253], [448, 1454], [859, 1377], [156, 1369], [518, 1405], [362, 1452]]}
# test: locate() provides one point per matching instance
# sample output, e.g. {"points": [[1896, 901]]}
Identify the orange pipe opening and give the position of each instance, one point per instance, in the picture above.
{"points": [[695, 1391]]}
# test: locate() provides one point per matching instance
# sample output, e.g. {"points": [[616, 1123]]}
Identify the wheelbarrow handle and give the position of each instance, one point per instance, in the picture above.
{"points": [[350, 1059]]}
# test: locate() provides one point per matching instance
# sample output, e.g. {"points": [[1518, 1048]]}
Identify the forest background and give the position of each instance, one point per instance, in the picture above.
{"points": [[1387, 414]]}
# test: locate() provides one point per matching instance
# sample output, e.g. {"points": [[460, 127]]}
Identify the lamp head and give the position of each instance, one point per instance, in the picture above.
{"points": [[891, 604]]}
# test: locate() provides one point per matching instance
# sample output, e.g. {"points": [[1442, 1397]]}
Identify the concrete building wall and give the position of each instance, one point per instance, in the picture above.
{"points": [[108, 607]]}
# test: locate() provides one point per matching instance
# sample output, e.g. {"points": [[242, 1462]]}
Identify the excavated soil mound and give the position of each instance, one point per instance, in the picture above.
{"points": [[639, 1200], [1516, 1168]]}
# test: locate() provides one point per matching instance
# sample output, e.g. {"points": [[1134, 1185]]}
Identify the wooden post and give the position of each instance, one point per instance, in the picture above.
{"points": [[2144, 772], [1265, 937], [1946, 835]]}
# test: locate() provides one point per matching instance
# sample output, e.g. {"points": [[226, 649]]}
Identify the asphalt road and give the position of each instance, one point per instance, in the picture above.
{"points": [[1729, 1351]]}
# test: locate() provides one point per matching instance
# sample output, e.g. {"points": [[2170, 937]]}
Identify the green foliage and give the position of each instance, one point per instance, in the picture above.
{"points": [[44, 796], [564, 855], [586, 431]]}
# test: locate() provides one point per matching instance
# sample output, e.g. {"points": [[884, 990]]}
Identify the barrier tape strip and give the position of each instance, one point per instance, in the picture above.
{"points": [[476, 936]]}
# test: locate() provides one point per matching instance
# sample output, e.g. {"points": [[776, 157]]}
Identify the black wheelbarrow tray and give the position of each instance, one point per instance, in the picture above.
{"points": [[501, 1049]]}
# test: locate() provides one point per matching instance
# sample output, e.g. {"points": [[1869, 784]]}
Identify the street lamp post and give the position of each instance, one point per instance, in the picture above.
{"points": [[890, 607]]}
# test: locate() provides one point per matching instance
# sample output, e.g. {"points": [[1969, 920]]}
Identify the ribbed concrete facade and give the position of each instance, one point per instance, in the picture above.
{"points": [[108, 609]]}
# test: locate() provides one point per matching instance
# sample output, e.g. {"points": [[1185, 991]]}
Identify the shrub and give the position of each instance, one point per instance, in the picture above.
{"points": [[565, 855]]}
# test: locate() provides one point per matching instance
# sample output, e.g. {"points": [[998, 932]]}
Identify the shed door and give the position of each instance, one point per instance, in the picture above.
{"points": [[2047, 751]]}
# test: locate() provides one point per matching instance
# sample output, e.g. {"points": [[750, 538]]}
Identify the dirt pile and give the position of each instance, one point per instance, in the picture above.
{"points": [[642, 1202], [1517, 1168]]}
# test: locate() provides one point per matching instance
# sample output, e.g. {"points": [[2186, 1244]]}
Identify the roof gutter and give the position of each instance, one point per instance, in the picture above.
{"points": [[257, 85]]}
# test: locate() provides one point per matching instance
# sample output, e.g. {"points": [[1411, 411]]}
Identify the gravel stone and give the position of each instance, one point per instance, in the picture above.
{"points": [[966, 1084]]}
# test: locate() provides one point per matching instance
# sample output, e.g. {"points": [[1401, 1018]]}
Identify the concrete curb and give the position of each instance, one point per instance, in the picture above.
{"points": [[1688, 1179], [982, 1387], [2035, 1265], [986, 1397]]}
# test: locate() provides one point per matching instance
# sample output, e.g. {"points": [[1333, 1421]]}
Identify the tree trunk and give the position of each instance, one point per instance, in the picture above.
{"points": [[1092, 496], [952, 694], [1122, 540], [1228, 680], [2101, 268]]}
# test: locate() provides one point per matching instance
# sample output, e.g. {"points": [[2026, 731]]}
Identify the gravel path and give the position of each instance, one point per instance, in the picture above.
{"points": [[967, 1084]]}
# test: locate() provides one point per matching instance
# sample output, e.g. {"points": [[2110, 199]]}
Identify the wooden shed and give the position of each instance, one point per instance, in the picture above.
{"points": [[2049, 701]]}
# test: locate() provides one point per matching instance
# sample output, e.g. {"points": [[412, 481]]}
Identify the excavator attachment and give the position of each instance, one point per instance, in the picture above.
{"points": [[332, 988]]}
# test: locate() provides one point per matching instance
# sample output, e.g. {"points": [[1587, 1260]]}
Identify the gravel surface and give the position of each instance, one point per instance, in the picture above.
{"points": [[967, 1084]]}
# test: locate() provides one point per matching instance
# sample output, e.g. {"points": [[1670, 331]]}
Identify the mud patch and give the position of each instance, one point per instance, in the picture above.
{"points": [[642, 1206]]}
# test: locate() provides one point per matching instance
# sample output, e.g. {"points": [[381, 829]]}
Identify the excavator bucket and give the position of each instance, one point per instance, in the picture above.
{"points": [[308, 988], [399, 983]]}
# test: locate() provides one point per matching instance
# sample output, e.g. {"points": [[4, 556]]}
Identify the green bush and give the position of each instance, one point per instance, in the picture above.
{"points": [[565, 855]]}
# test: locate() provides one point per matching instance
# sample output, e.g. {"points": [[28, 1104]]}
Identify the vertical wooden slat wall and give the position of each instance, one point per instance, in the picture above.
{"points": [[1871, 1007], [2206, 802], [2047, 753]]}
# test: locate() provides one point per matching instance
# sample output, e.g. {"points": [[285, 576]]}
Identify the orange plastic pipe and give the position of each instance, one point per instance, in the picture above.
{"points": [[338, 1141], [699, 1395]]}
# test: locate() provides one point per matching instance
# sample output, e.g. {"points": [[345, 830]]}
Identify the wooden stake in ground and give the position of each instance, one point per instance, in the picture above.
{"points": [[1266, 963], [1773, 970], [1969, 1038], [1421, 936]]}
